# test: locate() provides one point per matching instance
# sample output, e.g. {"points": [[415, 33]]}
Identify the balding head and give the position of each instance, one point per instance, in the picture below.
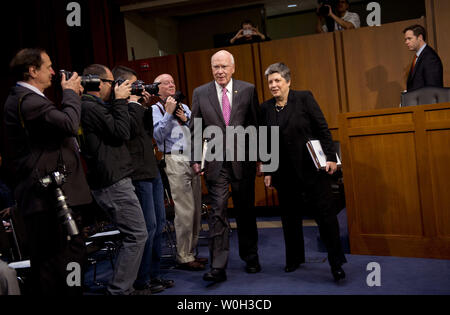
{"points": [[222, 64], [167, 87]]}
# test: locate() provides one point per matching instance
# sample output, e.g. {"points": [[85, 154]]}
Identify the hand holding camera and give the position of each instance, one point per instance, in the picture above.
{"points": [[123, 91], [73, 83], [170, 105]]}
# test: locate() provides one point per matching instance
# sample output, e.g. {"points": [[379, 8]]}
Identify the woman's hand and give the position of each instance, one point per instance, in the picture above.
{"points": [[331, 167], [268, 181]]}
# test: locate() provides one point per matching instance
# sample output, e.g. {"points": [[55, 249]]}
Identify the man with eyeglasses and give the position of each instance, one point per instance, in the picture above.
{"points": [[105, 123], [170, 126]]}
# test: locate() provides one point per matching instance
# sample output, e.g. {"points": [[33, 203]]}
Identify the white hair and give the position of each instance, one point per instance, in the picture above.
{"points": [[226, 52]]}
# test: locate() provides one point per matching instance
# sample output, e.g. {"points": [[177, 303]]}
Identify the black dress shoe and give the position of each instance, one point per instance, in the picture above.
{"points": [[338, 273], [216, 275], [164, 282], [291, 267], [253, 267]]}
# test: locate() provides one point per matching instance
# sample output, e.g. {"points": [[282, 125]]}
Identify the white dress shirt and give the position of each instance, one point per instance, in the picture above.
{"points": [[219, 89]]}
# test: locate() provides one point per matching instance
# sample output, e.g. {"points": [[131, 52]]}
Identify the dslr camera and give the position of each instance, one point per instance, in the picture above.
{"points": [[139, 86], [54, 181], [90, 82], [179, 97], [324, 10]]}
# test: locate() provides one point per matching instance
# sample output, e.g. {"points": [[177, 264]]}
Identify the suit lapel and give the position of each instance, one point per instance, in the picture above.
{"points": [[236, 95], [212, 94], [289, 107], [272, 113], [418, 61]]}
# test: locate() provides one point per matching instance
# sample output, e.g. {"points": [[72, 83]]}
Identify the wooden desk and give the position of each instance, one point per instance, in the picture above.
{"points": [[396, 165]]}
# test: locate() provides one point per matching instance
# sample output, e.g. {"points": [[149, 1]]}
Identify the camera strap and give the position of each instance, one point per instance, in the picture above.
{"points": [[27, 135], [162, 113]]}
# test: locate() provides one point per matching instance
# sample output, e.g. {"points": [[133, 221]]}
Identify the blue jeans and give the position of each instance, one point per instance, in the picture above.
{"points": [[151, 196]]}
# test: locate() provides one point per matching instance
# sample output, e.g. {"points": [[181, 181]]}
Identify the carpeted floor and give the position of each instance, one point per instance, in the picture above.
{"points": [[405, 276]]}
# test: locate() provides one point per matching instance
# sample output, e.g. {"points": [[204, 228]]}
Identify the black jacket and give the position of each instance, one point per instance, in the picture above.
{"points": [[105, 129], [428, 71], [50, 141], [305, 122], [140, 144]]}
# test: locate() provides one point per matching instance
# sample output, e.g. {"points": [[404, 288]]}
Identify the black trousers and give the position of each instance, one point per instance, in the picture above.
{"points": [[243, 194], [318, 189], [50, 256]]}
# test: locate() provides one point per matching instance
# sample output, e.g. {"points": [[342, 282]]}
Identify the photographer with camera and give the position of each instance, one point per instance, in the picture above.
{"points": [[41, 142], [333, 15], [146, 179], [106, 128], [248, 33], [171, 120]]}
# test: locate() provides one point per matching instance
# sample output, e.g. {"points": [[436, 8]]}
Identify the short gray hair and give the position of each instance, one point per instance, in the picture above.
{"points": [[280, 68]]}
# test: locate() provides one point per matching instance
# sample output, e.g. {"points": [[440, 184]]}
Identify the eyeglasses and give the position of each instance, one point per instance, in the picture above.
{"points": [[107, 81]]}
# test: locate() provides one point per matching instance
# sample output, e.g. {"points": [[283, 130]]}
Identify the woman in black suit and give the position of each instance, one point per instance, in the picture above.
{"points": [[300, 119]]}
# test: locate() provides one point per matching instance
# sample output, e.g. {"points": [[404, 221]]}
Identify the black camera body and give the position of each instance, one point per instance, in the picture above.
{"points": [[179, 97], [54, 181], [138, 87], [324, 10], [90, 82]]}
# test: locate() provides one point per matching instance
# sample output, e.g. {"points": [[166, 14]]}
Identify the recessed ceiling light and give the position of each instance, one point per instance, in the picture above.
{"points": [[292, 5]]}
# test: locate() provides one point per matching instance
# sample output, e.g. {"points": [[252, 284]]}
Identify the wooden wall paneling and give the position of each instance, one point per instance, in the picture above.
{"points": [[312, 62], [198, 69], [386, 184], [437, 144], [258, 71], [340, 64], [396, 180], [376, 63], [430, 22], [442, 25]]}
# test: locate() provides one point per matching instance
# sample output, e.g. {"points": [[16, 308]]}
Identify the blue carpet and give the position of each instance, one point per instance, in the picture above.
{"points": [[408, 276]]}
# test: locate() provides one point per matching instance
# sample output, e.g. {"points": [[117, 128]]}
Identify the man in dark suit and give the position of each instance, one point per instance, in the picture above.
{"points": [[225, 103], [426, 68], [40, 141]]}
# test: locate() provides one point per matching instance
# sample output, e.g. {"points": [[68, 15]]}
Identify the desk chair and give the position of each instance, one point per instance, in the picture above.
{"points": [[100, 246], [426, 95]]}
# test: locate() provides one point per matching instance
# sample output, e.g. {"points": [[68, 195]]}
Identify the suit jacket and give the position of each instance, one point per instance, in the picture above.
{"points": [[305, 122], [245, 112], [427, 71], [50, 139]]}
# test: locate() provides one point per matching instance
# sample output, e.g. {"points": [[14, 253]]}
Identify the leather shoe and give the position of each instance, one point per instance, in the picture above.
{"points": [[216, 275], [192, 266], [148, 289], [291, 267], [164, 282], [254, 267], [338, 273], [202, 260]]}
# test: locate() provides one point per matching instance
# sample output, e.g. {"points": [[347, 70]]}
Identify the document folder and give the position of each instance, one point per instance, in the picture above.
{"points": [[318, 156]]}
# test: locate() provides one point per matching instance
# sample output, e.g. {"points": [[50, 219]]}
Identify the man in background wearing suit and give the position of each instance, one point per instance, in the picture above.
{"points": [[221, 103], [426, 69]]}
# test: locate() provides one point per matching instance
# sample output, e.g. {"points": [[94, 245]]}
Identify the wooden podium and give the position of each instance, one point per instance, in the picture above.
{"points": [[396, 166]]}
